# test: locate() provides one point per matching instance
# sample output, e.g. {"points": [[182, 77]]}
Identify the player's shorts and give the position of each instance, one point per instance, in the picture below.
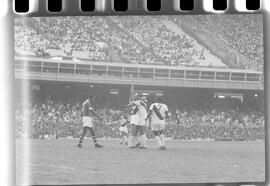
{"points": [[138, 129], [134, 119], [157, 126], [87, 121], [123, 129]]}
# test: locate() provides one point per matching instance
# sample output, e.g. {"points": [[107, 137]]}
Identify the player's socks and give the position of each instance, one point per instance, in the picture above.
{"points": [[96, 143], [158, 141], [82, 136], [121, 141], [80, 141], [137, 141], [130, 141], [143, 140], [94, 139], [162, 137], [125, 140]]}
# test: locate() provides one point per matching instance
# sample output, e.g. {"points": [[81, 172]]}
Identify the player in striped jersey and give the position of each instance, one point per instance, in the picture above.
{"points": [[124, 130], [123, 122], [88, 113], [138, 122], [157, 114]]}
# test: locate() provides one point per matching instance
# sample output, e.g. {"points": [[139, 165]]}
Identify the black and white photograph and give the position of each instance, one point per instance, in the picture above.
{"points": [[139, 99]]}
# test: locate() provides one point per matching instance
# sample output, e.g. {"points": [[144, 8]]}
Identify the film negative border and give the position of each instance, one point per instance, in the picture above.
{"points": [[133, 7]]}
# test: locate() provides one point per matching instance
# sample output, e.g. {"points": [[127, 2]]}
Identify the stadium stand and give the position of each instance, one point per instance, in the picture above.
{"points": [[143, 39], [181, 41], [236, 39]]}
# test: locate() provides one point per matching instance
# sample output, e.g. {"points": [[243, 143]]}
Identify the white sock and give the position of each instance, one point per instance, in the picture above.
{"points": [[143, 140], [158, 141], [125, 139], [136, 140], [162, 137], [130, 141]]}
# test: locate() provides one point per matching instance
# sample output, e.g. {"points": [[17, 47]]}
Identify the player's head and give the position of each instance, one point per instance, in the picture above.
{"points": [[159, 99], [136, 97], [144, 98], [141, 97], [91, 97]]}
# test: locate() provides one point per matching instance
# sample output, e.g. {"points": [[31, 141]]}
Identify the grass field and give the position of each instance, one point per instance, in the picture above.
{"points": [[60, 162]]}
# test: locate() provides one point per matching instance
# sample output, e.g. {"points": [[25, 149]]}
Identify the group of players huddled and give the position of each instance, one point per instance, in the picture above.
{"points": [[139, 118]]}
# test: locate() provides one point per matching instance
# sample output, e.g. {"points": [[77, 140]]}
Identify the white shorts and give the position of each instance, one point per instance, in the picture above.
{"points": [[157, 126], [87, 121], [123, 129], [134, 119]]}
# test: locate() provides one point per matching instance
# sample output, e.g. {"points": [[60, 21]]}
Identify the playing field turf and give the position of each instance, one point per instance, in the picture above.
{"points": [[61, 162]]}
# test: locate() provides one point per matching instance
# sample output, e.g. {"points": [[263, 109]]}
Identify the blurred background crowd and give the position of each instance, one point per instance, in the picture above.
{"points": [[220, 41], [208, 122]]}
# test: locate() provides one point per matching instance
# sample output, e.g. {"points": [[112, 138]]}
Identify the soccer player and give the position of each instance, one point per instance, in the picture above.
{"points": [[157, 113], [124, 130], [138, 121], [88, 113], [133, 120]]}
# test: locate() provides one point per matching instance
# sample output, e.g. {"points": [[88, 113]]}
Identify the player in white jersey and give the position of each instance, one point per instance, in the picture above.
{"points": [[124, 130], [138, 122], [133, 142], [123, 121], [157, 114]]}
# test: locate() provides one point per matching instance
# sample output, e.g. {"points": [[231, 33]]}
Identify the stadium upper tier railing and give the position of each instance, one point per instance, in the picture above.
{"points": [[151, 75]]}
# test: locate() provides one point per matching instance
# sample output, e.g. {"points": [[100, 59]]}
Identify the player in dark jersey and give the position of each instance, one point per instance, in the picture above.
{"points": [[88, 113]]}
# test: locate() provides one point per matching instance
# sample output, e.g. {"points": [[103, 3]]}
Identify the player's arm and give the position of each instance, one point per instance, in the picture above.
{"points": [[82, 111], [150, 112], [134, 103], [148, 117], [124, 124], [167, 114], [131, 104], [95, 114]]}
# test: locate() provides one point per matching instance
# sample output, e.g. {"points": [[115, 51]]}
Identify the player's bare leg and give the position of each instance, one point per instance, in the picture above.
{"points": [[82, 137], [143, 141], [162, 137], [131, 141], [137, 141], [143, 137], [126, 140], [121, 140], [92, 131], [157, 137], [132, 137]]}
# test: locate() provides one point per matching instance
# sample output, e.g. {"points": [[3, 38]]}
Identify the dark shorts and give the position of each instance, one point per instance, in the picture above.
{"points": [[136, 129]]}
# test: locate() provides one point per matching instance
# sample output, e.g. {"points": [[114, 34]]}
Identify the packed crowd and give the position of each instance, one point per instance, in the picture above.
{"points": [[61, 120], [244, 33], [60, 37], [133, 39], [140, 39]]}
